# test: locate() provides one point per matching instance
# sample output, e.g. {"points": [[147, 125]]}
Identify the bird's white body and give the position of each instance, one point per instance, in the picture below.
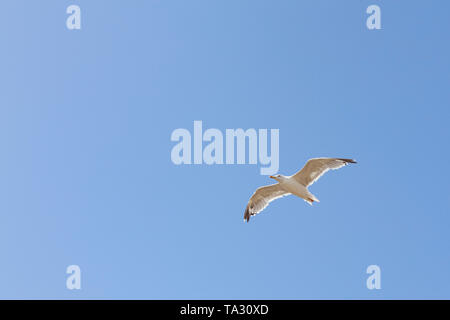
{"points": [[291, 185], [297, 184]]}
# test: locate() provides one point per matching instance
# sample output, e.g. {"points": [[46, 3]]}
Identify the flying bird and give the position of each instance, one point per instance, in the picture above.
{"points": [[297, 184]]}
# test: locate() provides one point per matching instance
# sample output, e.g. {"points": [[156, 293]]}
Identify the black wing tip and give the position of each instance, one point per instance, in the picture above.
{"points": [[347, 160], [247, 215]]}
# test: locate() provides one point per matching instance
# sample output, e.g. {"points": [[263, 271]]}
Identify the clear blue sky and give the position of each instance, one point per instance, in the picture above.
{"points": [[85, 170]]}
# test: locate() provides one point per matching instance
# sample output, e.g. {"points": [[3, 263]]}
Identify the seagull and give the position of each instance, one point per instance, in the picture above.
{"points": [[297, 184]]}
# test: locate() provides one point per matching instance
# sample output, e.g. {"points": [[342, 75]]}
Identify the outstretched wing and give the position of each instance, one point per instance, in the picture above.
{"points": [[261, 199], [316, 167]]}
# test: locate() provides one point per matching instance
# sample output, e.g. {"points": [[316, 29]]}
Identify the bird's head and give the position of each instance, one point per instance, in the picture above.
{"points": [[278, 177]]}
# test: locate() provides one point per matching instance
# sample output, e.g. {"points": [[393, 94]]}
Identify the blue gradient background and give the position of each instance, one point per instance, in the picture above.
{"points": [[85, 170]]}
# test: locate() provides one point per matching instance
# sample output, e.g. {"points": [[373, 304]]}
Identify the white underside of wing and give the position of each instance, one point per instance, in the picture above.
{"points": [[263, 196], [315, 168]]}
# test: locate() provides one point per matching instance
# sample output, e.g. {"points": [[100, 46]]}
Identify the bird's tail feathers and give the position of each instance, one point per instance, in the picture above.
{"points": [[311, 199]]}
